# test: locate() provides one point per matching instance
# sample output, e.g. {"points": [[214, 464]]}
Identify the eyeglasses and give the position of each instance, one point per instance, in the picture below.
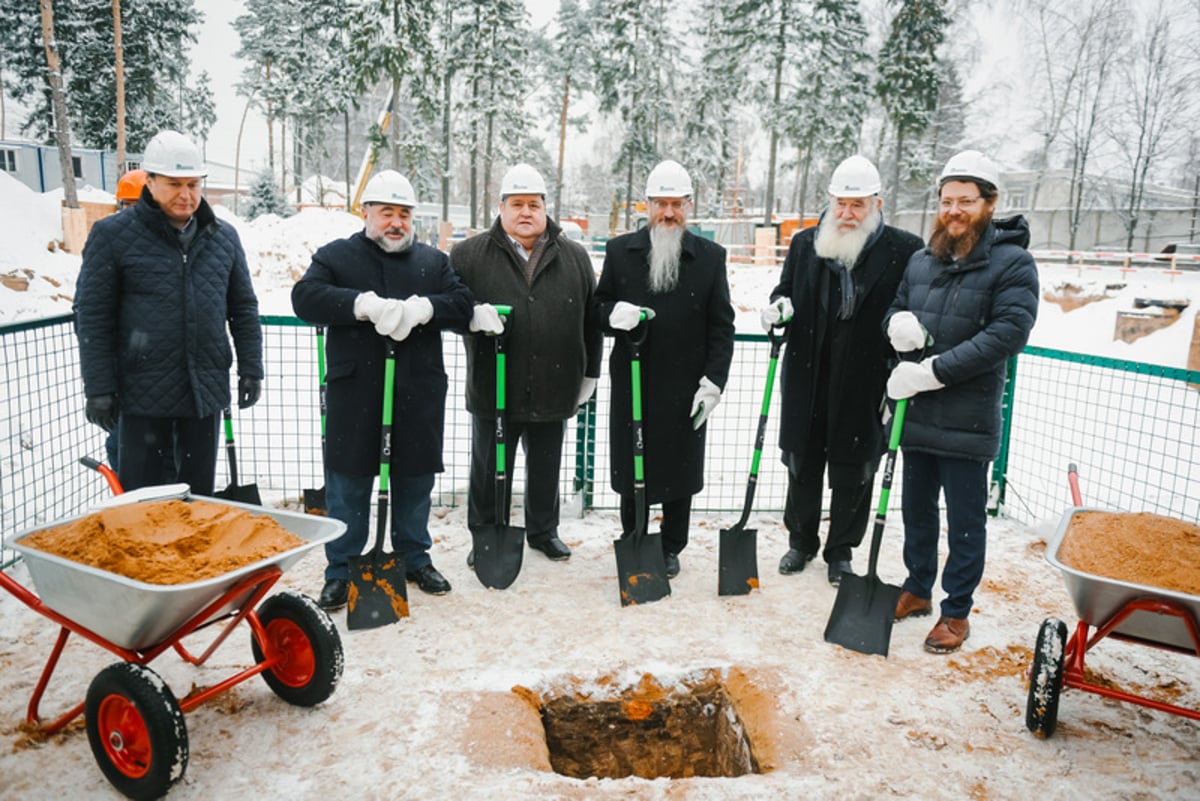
{"points": [[964, 203]]}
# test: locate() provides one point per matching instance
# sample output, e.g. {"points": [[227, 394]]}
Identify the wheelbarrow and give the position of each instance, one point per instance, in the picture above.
{"points": [[1117, 610], [135, 724]]}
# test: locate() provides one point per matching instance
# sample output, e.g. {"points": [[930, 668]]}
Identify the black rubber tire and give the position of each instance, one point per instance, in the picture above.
{"points": [[1046, 678], [136, 729], [312, 648]]}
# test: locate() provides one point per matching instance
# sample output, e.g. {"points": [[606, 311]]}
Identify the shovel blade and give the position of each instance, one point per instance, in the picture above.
{"points": [[242, 493], [641, 569], [314, 502], [378, 592], [498, 554], [862, 615], [737, 561]]}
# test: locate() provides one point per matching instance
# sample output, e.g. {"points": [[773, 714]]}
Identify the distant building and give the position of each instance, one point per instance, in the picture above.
{"points": [[37, 166]]}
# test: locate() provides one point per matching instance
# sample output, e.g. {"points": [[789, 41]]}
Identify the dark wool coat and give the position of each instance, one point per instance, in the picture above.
{"points": [[548, 342], [356, 353], [979, 311], [857, 352], [151, 319], [691, 336]]}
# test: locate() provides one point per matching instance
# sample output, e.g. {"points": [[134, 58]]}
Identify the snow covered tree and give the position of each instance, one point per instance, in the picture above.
{"points": [[571, 54], [265, 198], [909, 80]]}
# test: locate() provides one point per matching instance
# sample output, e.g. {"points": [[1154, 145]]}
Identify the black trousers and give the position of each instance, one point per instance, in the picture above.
{"points": [[850, 506], [153, 447], [675, 516], [542, 445]]}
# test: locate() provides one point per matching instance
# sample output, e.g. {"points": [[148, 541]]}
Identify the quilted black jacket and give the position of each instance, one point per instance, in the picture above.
{"points": [[151, 319]]}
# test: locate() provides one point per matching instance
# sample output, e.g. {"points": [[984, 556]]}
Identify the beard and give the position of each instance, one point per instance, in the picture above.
{"points": [[946, 247], [666, 246], [845, 246], [392, 245]]}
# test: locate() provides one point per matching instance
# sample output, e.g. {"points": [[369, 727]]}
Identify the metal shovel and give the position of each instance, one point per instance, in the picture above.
{"points": [[865, 607], [737, 562], [378, 592], [243, 493]]}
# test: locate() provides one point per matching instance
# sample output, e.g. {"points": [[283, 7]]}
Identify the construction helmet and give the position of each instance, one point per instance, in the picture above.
{"points": [[668, 179], [172, 154], [970, 165], [390, 188], [855, 177], [129, 188], [522, 179]]}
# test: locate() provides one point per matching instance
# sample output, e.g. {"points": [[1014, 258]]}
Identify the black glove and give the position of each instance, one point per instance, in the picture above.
{"points": [[248, 391], [102, 410]]}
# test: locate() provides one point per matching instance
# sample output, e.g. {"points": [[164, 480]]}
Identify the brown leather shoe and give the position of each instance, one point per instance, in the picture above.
{"points": [[947, 635], [910, 605]]}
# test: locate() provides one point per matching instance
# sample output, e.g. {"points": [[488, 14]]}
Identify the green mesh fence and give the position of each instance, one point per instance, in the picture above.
{"points": [[1130, 427]]}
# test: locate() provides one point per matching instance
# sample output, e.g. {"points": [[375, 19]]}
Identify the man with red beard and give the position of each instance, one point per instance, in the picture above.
{"points": [[680, 279], [966, 306], [837, 282]]}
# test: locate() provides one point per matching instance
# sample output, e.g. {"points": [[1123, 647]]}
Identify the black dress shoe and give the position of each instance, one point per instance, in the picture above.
{"points": [[672, 562], [794, 561], [333, 594], [429, 580], [554, 548], [836, 569]]}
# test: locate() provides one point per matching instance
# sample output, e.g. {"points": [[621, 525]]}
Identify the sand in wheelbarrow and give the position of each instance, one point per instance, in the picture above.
{"points": [[167, 542], [1135, 547]]}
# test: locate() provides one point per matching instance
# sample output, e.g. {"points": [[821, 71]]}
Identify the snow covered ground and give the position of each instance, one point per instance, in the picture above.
{"points": [[426, 707]]}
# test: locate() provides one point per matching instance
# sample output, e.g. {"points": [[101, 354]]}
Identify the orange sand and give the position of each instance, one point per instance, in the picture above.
{"points": [[1138, 548], [167, 542]]}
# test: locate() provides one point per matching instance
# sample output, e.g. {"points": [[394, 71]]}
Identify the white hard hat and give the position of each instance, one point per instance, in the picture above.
{"points": [[668, 179], [855, 177], [391, 188], [172, 154], [521, 179], [970, 165]]}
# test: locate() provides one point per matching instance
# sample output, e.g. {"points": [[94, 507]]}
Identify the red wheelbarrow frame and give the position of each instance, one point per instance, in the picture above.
{"points": [[257, 584]]}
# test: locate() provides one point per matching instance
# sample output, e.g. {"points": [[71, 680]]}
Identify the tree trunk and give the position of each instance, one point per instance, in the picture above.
{"points": [[62, 128], [270, 122], [769, 200], [346, 148], [119, 62], [895, 198], [562, 145]]}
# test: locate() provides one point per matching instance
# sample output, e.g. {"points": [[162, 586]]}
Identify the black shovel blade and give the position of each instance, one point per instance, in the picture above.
{"points": [[862, 615], [737, 561], [242, 493], [314, 502], [641, 570], [378, 592], [498, 554]]}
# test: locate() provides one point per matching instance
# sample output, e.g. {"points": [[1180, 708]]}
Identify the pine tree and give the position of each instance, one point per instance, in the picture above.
{"points": [[265, 198], [909, 78], [572, 51]]}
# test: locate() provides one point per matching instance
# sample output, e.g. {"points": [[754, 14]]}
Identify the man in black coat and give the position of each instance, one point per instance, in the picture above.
{"points": [[376, 285], [679, 278], [158, 287], [552, 354], [837, 282], [967, 304]]}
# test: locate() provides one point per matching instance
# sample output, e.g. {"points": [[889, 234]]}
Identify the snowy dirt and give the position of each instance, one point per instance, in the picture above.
{"points": [[438, 705]]}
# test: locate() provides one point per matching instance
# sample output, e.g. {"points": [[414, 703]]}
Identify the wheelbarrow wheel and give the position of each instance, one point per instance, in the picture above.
{"points": [[308, 644], [136, 730], [1046, 678]]}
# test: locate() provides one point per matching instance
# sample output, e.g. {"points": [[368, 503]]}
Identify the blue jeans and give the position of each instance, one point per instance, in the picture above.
{"points": [[964, 484], [348, 499]]}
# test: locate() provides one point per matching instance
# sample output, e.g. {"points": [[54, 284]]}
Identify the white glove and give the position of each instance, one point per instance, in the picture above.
{"points": [[778, 312], [911, 378], [485, 318], [414, 310], [368, 306], [391, 319], [626, 316], [906, 332], [706, 399], [586, 388]]}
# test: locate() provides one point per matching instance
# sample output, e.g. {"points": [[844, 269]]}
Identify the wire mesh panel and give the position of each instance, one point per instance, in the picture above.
{"points": [[1130, 427]]}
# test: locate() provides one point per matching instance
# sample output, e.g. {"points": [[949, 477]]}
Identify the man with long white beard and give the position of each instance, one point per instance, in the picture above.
{"points": [[837, 282], [966, 306], [376, 286], [680, 279]]}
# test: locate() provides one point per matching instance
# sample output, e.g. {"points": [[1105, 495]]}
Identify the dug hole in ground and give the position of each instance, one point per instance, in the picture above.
{"points": [[456, 700]]}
